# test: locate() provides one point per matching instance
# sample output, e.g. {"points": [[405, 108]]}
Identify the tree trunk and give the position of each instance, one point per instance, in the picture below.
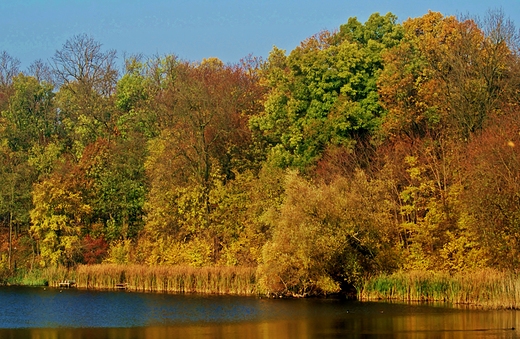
{"points": [[10, 238]]}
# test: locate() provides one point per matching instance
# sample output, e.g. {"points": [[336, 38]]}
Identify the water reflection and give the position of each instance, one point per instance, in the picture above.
{"points": [[277, 329], [40, 314]]}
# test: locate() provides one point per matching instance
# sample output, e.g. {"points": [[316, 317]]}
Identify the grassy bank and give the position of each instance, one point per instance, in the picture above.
{"points": [[180, 279], [486, 288], [36, 277]]}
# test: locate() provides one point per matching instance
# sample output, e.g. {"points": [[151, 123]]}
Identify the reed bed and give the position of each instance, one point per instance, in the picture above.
{"points": [[179, 279], [487, 288]]}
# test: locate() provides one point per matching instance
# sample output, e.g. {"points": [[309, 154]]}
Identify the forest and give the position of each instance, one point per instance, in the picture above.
{"points": [[376, 148]]}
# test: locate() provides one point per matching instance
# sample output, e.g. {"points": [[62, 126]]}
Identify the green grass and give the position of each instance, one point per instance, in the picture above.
{"points": [[487, 288], [37, 277]]}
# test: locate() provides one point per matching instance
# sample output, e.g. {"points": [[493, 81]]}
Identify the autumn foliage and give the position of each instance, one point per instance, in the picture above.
{"points": [[380, 147]]}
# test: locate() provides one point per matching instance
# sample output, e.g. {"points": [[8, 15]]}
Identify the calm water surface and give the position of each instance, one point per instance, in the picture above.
{"points": [[71, 313]]}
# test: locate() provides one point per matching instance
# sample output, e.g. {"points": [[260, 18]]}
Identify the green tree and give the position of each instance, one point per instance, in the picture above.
{"points": [[120, 188], [324, 93], [135, 95], [30, 116]]}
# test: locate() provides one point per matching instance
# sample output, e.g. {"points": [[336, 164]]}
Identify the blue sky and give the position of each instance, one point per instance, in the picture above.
{"points": [[197, 29]]}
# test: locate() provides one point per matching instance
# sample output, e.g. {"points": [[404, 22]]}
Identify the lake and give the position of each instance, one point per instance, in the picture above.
{"points": [[73, 313]]}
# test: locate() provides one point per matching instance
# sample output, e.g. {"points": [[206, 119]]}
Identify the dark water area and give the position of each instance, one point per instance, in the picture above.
{"points": [[71, 313]]}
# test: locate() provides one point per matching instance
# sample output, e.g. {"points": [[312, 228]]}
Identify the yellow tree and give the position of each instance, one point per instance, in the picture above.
{"points": [[58, 217], [27, 133], [63, 211], [444, 78], [440, 85], [326, 237]]}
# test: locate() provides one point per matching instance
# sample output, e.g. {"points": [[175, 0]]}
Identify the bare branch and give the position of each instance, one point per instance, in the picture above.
{"points": [[9, 68], [81, 60]]}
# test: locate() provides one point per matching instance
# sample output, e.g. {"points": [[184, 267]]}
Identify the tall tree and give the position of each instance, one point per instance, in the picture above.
{"points": [[87, 77], [440, 85], [445, 77], [491, 199], [9, 68], [28, 128], [82, 60], [324, 93], [205, 142]]}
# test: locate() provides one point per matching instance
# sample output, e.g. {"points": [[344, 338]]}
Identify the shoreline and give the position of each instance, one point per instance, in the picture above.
{"points": [[169, 279], [485, 288]]}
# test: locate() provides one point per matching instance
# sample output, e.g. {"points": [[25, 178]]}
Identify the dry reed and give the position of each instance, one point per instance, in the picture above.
{"points": [[178, 279]]}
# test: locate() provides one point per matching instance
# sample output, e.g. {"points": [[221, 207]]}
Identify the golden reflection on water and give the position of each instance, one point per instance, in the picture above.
{"points": [[266, 330], [230, 331], [281, 329], [438, 324]]}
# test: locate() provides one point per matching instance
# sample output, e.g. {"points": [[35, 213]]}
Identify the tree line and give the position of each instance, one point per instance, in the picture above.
{"points": [[380, 146]]}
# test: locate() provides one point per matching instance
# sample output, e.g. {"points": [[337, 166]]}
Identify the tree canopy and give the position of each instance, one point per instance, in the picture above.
{"points": [[377, 147]]}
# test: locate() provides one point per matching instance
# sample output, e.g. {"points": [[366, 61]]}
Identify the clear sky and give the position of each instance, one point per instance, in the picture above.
{"points": [[197, 29]]}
